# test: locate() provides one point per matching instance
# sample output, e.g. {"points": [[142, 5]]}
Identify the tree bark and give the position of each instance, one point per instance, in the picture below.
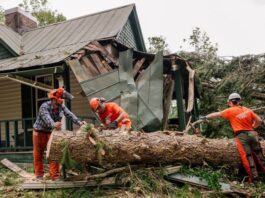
{"points": [[145, 148]]}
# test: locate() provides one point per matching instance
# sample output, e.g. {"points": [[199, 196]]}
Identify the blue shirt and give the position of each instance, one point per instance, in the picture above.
{"points": [[47, 116]]}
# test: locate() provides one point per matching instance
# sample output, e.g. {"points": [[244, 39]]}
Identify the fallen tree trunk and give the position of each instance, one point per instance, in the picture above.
{"points": [[144, 148]]}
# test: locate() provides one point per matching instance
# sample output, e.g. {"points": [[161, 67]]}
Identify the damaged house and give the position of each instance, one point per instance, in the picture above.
{"points": [[98, 55]]}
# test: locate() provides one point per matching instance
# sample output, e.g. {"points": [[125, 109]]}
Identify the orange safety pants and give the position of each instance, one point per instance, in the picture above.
{"points": [[126, 122], [40, 140], [250, 153]]}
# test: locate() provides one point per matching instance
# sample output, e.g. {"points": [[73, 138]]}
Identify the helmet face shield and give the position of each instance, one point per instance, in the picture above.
{"points": [[67, 96]]}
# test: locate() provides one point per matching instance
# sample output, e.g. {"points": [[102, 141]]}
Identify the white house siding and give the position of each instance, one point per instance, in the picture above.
{"points": [[10, 106]]}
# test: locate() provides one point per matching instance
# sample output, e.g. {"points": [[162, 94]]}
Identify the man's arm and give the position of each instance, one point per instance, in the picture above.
{"points": [[213, 115], [120, 117], [71, 116], [116, 108], [257, 122]]}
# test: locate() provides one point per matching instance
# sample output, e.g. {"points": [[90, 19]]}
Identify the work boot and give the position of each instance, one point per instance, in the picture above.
{"points": [[39, 178], [58, 178], [255, 180]]}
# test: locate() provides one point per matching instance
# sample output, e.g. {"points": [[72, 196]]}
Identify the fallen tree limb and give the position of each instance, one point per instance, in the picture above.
{"points": [[168, 170], [108, 173]]}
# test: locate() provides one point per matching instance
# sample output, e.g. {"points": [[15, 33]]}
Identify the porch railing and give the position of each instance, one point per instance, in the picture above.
{"points": [[16, 135]]}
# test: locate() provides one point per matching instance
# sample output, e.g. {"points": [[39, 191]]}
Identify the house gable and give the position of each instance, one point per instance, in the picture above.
{"points": [[5, 51], [131, 34]]}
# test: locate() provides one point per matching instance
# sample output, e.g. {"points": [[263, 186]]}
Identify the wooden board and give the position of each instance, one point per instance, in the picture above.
{"points": [[138, 66], [78, 70], [27, 185], [90, 66], [105, 63], [16, 169], [96, 46], [98, 63]]}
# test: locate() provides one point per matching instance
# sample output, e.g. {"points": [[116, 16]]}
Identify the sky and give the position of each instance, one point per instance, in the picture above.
{"points": [[237, 26]]}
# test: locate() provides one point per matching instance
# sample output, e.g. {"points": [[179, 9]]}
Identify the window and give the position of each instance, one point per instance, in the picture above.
{"points": [[42, 96]]}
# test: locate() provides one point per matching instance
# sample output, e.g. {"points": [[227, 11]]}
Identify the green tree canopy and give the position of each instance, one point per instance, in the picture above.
{"points": [[1, 15], [39, 9], [156, 44]]}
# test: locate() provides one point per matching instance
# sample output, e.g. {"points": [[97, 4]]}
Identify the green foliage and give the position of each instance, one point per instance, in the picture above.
{"points": [[145, 182], [210, 175], [186, 191], [101, 147], [46, 17], [87, 128], [157, 44], [7, 177], [39, 9], [33, 5], [66, 160], [2, 15]]}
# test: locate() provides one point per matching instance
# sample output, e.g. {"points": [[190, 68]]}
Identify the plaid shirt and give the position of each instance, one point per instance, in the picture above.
{"points": [[47, 117]]}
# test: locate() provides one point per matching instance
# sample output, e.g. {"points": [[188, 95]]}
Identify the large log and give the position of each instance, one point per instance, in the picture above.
{"points": [[146, 148]]}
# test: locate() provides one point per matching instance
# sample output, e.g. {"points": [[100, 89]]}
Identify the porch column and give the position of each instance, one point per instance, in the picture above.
{"points": [[179, 96]]}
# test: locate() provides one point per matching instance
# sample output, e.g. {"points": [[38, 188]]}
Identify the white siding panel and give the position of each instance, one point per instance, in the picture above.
{"points": [[10, 107]]}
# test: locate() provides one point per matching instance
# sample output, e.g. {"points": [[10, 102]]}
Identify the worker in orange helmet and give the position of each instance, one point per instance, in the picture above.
{"points": [[49, 118], [243, 122], [111, 115]]}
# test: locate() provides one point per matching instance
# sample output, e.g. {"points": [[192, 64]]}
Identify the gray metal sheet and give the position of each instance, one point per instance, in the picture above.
{"points": [[40, 58], [196, 181], [129, 98], [100, 82], [150, 90], [91, 27], [55, 42], [111, 93], [11, 38]]}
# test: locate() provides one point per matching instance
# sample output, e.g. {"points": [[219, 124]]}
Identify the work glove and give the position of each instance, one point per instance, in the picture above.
{"points": [[113, 125], [203, 118], [82, 123]]}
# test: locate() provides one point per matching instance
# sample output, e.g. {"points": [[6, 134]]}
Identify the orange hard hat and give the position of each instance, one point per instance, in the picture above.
{"points": [[94, 103], [57, 94]]}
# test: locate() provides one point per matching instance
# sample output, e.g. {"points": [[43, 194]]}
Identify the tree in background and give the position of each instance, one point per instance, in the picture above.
{"points": [[219, 77], [39, 9], [201, 43], [205, 60], [1, 15], [156, 44]]}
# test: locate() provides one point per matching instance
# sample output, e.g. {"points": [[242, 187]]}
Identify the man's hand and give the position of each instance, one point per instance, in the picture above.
{"points": [[57, 125], [113, 125], [82, 123], [107, 121]]}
